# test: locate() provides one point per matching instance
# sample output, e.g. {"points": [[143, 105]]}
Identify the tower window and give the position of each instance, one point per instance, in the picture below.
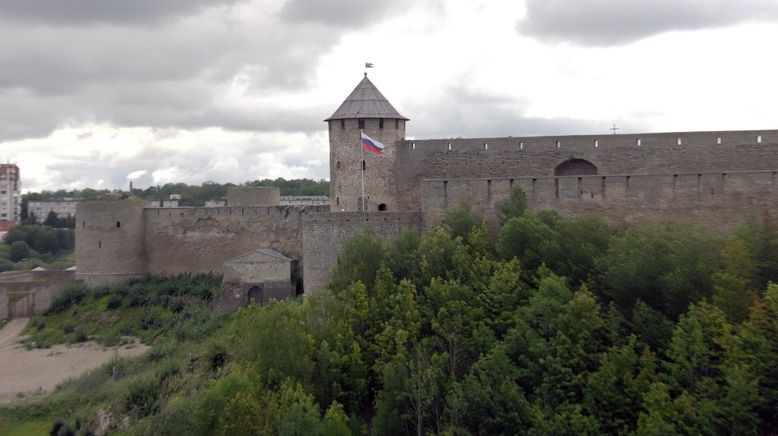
{"points": [[363, 166], [337, 165], [396, 124], [342, 124], [639, 142], [381, 207], [596, 143], [118, 224], [680, 141], [558, 144], [718, 140], [759, 139], [381, 123], [361, 124], [99, 244]]}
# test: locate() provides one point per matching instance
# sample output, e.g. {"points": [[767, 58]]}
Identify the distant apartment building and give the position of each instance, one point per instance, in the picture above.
{"points": [[10, 196], [40, 209]]}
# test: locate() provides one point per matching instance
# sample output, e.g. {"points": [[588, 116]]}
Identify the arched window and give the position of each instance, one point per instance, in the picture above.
{"points": [[575, 167]]}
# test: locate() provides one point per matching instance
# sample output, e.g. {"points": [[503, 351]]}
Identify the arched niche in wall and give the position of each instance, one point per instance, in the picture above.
{"points": [[575, 167]]}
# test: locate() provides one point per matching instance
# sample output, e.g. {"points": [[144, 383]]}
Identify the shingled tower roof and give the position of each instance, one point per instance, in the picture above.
{"points": [[366, 101]]}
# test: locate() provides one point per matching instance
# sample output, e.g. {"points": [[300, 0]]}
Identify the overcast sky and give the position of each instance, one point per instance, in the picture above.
{"points": [[94, 93]]}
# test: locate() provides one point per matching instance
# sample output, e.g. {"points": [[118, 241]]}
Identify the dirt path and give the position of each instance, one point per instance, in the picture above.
{"points": [[24, 372]]}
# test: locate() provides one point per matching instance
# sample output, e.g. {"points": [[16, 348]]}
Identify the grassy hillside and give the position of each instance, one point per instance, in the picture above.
{"points": [[558, 326]]}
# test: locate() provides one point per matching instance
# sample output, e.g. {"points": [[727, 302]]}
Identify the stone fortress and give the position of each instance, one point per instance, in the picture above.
{"points": [[719, 179]]}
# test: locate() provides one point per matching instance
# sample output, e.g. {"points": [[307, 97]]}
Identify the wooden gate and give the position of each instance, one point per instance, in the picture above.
{"points": [[20, 305], [256, 293]]}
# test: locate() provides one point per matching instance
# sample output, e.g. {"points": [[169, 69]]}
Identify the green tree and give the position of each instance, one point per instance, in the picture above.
{"points": [[731, 284], [460, 220], [298, 414], [335, 422], [358, 261], [489, 399], [666, 266], [513, 206], [19, 251]]}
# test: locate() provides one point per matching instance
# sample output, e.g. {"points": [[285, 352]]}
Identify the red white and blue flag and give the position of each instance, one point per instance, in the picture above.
{"points": [[371, 144]]}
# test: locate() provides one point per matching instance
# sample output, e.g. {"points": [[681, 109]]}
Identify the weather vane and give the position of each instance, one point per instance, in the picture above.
{"points": [[612, 129], [368, 65]]}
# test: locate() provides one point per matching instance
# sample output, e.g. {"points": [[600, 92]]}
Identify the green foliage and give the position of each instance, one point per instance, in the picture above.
{"points": [[19, 251], [513, 206], [460, 221], [667, 267], [574, 328], [358, 261]]}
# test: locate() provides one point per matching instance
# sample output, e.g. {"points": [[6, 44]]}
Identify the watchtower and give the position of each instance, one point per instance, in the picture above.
{"points": [[365, 110]]}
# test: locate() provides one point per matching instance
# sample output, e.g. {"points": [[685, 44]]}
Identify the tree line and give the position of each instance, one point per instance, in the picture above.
{"points": [[191, 195], [557, 326]]}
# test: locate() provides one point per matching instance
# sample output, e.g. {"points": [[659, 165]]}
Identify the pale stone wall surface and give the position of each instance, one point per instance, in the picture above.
{"points": [[346, 160], [717, 200], [200, 240], [657, 154], [324, 236], [241, 196]]}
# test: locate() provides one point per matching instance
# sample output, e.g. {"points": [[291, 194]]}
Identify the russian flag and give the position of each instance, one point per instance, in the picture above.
{"points": [[372, 145]]}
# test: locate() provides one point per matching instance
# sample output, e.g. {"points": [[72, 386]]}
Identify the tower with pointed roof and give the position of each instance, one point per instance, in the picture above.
{"points": [[365, 109]]}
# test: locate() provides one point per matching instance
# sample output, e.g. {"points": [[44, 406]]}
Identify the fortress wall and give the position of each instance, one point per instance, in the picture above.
{"points": [[200, 239], [658, 153], [717, 200], [40, 287], [324, 236], [110, 243]]}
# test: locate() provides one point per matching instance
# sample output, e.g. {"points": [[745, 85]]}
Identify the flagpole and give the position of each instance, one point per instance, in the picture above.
{"points": [[362, 171]]}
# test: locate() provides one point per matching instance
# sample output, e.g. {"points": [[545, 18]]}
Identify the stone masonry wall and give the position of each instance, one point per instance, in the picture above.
{"points": [[346, 159], [716, 199], [199, 240], [110, 243], [655, 153], [42, 286], [324, 236]]}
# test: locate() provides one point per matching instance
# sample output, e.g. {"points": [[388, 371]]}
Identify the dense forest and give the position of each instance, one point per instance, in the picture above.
{"points": [[27, 246], [552, 325], [191, 195]]}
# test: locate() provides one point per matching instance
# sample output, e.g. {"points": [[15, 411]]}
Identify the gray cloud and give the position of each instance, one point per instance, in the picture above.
{"points": [[352, 13], [610, 22], [474, 114], [171, 76], [102, 11]]}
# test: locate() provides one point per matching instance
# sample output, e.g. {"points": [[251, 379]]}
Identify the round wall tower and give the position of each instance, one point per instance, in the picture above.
{"points": [[365, 110]]}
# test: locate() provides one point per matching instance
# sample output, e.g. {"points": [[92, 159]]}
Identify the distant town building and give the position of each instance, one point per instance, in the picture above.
{"points": [[215, 203], [162, 203], [10, 196], [63, 207]]}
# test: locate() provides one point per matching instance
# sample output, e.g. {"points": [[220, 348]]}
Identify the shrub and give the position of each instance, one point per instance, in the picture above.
{"points": [[19, 251], [114, 301], [142, 398], [69, 296]]}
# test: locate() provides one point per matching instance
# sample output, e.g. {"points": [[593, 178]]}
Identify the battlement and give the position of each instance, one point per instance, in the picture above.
{"points": [[531, 144], [157, 213]]}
